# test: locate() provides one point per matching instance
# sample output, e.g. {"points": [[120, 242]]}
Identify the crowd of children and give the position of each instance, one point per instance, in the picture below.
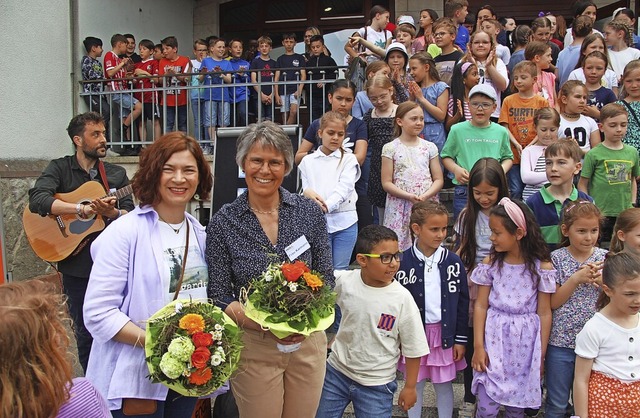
{"points": [[535, 129]]}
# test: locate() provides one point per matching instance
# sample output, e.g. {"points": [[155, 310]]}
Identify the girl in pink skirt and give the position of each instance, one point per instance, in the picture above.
{"points": [[437, 280]]}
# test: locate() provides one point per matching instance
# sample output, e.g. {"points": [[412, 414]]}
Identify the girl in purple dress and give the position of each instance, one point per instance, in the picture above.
{"points": [[512, 317]]}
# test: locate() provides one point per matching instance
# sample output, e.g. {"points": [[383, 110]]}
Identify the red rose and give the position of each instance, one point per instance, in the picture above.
{"points": [[200, 357], [202, 339], [293, 271]]}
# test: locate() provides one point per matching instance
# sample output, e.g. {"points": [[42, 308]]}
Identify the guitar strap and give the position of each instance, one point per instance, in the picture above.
{"points": [[103, 176]]}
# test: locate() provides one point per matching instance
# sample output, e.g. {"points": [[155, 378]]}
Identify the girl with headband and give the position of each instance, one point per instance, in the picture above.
{"points": [[512, 317]]}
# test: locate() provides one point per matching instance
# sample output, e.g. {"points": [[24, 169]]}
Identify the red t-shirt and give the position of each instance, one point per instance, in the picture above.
{"points": [[111, 61], [150, 66], [175, 96]]}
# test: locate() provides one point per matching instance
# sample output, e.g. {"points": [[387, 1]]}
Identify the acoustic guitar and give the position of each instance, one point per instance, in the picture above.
{"points": [[55, 237]]}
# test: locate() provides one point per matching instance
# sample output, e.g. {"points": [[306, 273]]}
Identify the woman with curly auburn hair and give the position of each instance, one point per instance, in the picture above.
{"points": [[35, 373], [141, 262]]}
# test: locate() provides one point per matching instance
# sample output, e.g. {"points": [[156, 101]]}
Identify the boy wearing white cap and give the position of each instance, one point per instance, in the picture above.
{"points": [[472, 140]]}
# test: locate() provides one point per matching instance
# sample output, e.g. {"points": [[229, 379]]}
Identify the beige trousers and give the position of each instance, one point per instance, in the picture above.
{"points": [[272, 384]]}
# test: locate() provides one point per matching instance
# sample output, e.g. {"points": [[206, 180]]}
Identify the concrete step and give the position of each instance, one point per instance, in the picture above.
{"points": [[429, 409]]}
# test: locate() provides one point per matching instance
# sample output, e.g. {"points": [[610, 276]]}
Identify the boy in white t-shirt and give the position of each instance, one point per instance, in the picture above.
{"points": [[380, 321]]}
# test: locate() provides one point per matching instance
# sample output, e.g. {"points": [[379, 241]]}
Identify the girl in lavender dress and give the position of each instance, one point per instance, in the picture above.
{"points": [[512, 317]]}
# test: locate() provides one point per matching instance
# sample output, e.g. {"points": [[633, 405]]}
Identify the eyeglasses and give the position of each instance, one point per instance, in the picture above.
{"points": [[440, 34], [386, 258], [258, 163], [379, 99], [478, 105]]}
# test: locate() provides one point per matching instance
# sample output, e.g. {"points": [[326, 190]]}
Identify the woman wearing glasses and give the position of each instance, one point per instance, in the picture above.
{"points": [[267, 224]]}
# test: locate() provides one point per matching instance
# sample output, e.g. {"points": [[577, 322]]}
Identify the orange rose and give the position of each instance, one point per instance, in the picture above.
{"points": [[202, 339], [200, 357], [293, 271], [192, 323], [312, 281], [200, 376]]}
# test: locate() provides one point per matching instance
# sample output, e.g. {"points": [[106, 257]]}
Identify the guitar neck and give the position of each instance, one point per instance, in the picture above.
{"points": [[120, 193]]}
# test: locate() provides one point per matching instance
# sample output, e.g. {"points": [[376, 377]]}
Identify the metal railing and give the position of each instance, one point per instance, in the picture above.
{"points": [[116, 105]]}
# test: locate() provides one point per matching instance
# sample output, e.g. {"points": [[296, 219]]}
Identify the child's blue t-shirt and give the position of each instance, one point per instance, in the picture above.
{"points": [[216, 94], [239, 93]]}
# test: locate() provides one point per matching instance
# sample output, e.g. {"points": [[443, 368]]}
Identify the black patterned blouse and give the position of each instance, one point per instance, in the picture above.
{"points": [[238, 250], [380, 133]]}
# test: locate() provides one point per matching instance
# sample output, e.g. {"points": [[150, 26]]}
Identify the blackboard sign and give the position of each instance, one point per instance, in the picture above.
{"points": [[228, 179]]}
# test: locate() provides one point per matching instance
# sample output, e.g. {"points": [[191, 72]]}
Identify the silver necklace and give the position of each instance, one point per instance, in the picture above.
{"points": [[176, 230], [432, 259]]}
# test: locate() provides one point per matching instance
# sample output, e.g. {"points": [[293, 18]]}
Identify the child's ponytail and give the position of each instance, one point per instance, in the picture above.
{"points": [[617, 268]]}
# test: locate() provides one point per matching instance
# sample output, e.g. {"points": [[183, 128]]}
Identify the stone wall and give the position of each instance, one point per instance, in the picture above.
{"points": [[16, 178]]}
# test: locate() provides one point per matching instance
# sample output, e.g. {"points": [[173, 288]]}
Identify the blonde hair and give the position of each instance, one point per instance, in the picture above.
{"points": [[329, 117], [547, 113], [468, 57], [401, 111], [619, 25], [35, 375], [379, 81]]}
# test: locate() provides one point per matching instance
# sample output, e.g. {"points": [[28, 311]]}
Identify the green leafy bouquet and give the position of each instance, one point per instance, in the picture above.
{"points": [[192, 347], [289, 298]]}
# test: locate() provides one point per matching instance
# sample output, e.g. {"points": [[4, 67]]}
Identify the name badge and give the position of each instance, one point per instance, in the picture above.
{"points": [[297, 247]]}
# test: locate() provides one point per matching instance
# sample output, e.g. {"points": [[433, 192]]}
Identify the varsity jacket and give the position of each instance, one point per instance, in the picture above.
{"points": [[454, 301]]}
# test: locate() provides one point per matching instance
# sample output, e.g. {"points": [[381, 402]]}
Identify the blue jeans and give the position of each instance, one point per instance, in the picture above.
{"points": [[175, 406], [216, 114], [170, 123], [241, 113], [559, 366], [515, 182], [368, 401], [197, 107], [342, 243], [460, 197]]}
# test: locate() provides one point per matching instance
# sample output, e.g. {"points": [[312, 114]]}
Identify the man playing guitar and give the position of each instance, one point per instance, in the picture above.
{"points": [[66, 174]]}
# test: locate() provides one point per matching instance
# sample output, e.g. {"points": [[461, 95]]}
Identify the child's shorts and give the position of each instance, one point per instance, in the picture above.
{"points": [[216, 113], [609, 397], [150, 111], [125, 100], [287, 101]]}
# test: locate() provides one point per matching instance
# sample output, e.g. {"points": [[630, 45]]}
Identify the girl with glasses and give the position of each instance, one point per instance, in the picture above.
{"points": [[481, 51]]}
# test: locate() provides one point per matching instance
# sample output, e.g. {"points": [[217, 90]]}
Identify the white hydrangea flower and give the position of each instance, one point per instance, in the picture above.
{"points": [[217, 327], [217, 335], [293, 286], [285, 283]]}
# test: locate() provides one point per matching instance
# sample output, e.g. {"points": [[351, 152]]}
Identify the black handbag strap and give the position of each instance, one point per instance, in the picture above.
{"points": [[633, 113]]}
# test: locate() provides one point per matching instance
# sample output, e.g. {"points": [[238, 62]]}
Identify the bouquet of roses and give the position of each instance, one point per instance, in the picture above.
{"points": [[289, 298], [192, 347]]}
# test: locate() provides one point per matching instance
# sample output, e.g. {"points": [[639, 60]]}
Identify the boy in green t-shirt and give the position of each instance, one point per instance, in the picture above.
{"points": [[610, 169], [474, 139]]}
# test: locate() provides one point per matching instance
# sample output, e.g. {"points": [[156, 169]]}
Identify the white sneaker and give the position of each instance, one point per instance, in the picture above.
{"points": [[467, 410]]}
